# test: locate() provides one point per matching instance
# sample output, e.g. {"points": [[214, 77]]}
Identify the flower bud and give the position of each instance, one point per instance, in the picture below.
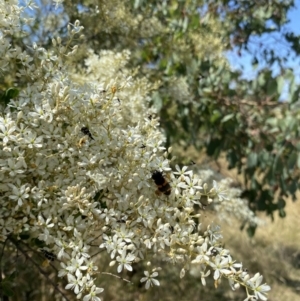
{"points": [[237, 286], [20, 115], [182, 273], [112, 263]]}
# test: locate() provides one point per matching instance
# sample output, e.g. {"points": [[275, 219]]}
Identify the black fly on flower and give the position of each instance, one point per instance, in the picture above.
{"points": [[85, 130]]}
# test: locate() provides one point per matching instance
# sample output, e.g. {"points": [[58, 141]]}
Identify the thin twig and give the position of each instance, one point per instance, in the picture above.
{"points": [[110, 274], [97, 253]]}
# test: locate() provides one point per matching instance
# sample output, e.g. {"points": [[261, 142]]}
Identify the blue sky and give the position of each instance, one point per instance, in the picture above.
{"points": [[244, 61], [294, 16]]}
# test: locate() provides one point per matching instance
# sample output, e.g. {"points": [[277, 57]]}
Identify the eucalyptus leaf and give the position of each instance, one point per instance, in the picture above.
{"points": [[252, 160], [227, 117]]}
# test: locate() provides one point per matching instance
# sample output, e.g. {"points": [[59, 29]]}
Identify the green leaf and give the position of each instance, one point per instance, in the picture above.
{"points": [[252, 160], [282, 180], [227, 117], [281, 203], [207, 90], [293, 187], [292, 160], [261, 79], [216, 115], [137, 4], [272, 121], [278, 165], [272, 87], [185, 23], [12, 93], [282, 213], [280, 84], [264, 159]]}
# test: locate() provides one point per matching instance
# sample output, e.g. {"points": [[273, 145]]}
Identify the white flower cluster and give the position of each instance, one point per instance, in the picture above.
{"points": [[76, 163]]}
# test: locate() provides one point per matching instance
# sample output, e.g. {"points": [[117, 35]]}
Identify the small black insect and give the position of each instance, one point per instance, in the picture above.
{"points": [[49, 255], [122, 220], [214, 252], [87, 132], [162, 184]]}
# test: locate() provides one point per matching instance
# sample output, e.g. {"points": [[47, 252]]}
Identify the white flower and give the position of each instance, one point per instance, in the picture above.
{"points": [[42, 112], [117, 246], [75, 283], [81, 250], [62, 245], [260, 290], [202, 251], [7, 131], [220, 192], [19, 194], [92, 295], [125, 261], [64, 271], [190, 184], [183, 171], [46, 226], [24, 58], [125, 233], [203, 276], [31, 140], [13, 167], [150, 280], [77, 266], [220, 265], [214, 233], [108, 215]]}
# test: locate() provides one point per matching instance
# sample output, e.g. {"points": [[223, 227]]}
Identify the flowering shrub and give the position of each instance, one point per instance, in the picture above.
{"points": [[76, 166]]}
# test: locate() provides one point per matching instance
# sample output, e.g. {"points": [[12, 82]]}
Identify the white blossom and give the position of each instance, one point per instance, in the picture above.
{"points": [[150, 279], [125, 260]]}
